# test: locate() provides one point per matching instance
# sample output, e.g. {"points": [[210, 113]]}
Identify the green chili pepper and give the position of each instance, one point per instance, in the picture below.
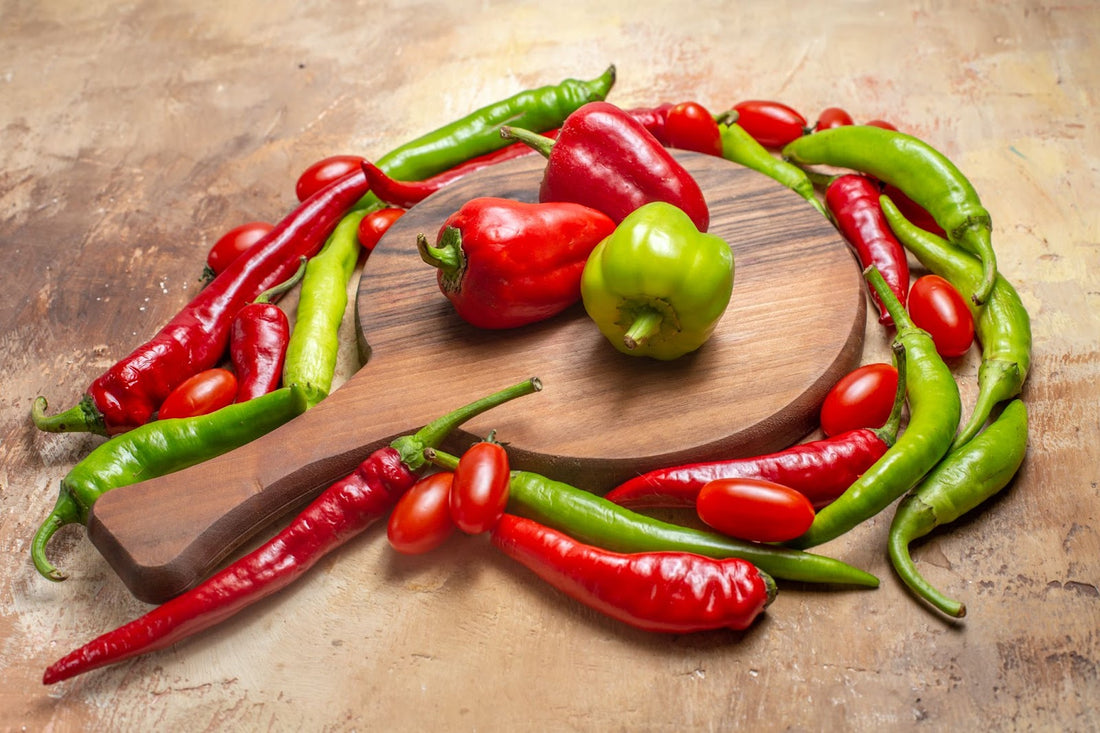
{"points": [[657, 286], [934, 412], [314, 344], [742, 148], [155, 449], [478, 133], [920, 171], [1002, 325], [960, 482]]}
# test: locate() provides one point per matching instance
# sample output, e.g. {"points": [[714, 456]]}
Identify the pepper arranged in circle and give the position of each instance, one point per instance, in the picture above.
{"points": [[658, 286]]}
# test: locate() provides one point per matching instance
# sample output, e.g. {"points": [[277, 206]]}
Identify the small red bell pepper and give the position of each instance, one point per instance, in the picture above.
{"points": [[505, 263], [604, 158]]}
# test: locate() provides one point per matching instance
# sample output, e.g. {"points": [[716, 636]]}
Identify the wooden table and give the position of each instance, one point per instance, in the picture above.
{"points": [[134, 134]]}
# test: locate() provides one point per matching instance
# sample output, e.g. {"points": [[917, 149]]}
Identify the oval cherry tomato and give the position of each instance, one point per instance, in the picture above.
{"points": [[234, 242], [203, 393], [480, 489], [421, 520], [689, 126], [937, 307], [883, 124], [375, 224], [832, 117], [754, 509], [324, 172], [772, 124], [861, 398]]}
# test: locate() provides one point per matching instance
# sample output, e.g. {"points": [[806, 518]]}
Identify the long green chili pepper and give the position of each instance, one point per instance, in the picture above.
{"points": [[597, 521], [742, 148], [155, 449], [920, 171], [934, 413], [314, 343], [1002, 325], [477, 133], [964, 479]]}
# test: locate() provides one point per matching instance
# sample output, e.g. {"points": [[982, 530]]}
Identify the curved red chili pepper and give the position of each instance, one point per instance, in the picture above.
{"points": [[653, 119], [258, 341], [853, 201], [634, 168], [130, 391], [912, 211], [670, 592]]}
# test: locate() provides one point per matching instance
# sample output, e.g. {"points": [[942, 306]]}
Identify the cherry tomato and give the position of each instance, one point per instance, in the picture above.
{"points": [[421, 520], [375, 224], [883, 124], [689, 126], [480, 489], [832, 117], [937, 307], [772, 124], [861, 398], [203, 393], [754, 509], [324, 172], [234, 242]]}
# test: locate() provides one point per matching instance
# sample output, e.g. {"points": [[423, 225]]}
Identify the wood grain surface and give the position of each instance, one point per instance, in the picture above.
{"points": [[133, 134]]}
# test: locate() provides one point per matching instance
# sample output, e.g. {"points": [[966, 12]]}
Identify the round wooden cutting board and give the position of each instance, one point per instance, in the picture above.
{"points": [[793, 327]]}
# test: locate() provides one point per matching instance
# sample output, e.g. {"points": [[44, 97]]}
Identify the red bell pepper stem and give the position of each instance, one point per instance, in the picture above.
{"points": [[853, 201], [821, 470], [669, 592], [129, 393], [342, 511]]}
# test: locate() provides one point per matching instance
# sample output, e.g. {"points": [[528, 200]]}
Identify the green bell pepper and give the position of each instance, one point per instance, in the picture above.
{"points": [[657, 286]]}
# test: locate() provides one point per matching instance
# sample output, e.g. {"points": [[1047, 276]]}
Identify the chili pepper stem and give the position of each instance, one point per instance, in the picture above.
{"points": [[447, 257], [275, 291], [888, 433], [893, 305], [646, 323], [412, 447], [539, 143], [65, 511], [81, 417]]}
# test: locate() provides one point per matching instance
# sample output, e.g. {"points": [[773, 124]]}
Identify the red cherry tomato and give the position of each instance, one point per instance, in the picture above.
{"points": [[883, 124], [689, 126], [754, 509], [375, 224], [772, 124], [203, 393], [832, 117], [421, 520], [861, 398], [234, 242], [480, 489], [324, 172], [937, 307]]}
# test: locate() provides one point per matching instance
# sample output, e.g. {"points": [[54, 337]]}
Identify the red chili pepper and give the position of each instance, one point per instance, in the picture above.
{"points": [[653, 119], [342, 511], [129, 392], [480, 489], [258, 340], [605, 159], [821, 470], [670, 592], [912, 211], [375, 224], [689, 126], [505, 263], [853, 201], [772, 124], [407, 194]]}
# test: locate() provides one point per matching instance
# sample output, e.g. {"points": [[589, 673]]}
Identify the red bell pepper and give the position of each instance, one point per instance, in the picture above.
{"points": [[505, 263], [605, 159]]}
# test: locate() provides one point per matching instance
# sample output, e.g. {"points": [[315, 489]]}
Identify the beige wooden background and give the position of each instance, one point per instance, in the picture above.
{"points": [[133, 134]]}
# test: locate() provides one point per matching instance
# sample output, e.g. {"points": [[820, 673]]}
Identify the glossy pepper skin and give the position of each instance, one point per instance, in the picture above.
{"points": [[665, 592], [658, 286], [129, 392], [342, 511], [257, 342], [505, 263], [853, 201], [156, 449], [605, 159]]}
